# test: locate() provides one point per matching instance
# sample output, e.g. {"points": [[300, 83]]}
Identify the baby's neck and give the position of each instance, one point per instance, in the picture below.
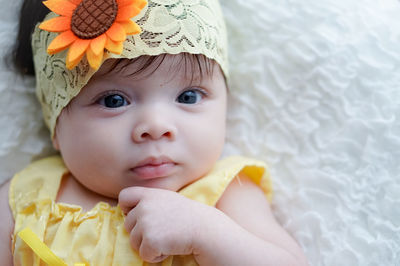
{"points": [[72, 192]]}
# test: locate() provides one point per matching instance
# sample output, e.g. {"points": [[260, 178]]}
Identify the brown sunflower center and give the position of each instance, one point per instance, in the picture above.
{"points": [[93, 17]]}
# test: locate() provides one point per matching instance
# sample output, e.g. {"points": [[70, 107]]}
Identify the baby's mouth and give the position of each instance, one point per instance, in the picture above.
{"points": [[154, 167]]}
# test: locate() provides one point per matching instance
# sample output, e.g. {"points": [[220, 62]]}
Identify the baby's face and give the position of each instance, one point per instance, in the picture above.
{"points": [[160, 130]]}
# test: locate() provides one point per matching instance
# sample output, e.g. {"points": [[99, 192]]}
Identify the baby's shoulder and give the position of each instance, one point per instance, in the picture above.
{"points": [[247, 169]]}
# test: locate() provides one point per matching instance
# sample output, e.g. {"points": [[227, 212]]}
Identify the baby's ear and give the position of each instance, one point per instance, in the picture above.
{"points": [[55, 142]]}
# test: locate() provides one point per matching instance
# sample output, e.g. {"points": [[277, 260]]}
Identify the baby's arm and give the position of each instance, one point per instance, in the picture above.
{"points": [[6, 227], [242, 232], [258, 240]]}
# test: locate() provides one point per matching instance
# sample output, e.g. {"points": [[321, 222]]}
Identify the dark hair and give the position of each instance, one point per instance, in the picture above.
{"points": [[188, 62], [34, 11]]}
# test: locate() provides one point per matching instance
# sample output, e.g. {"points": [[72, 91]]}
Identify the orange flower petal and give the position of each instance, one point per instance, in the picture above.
{"points": [[116, 32], [61, 42], [141, 3], [97, 44], [127, 12], [77, 49], [57, 24], [114, 47], [71, 64], [122, 3], [61, 7], [131, 27], [93, 59], [76, 2]]}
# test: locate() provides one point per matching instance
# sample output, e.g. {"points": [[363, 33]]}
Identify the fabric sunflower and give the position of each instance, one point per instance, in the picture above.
{"points": [[90, 26]]}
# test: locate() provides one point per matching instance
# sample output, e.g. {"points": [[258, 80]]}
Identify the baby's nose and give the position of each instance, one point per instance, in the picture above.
{"points": [[154, 128]]}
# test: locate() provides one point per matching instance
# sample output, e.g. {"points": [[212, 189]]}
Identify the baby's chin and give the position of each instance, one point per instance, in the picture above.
{"points": [[173, 183], [166, 183]]}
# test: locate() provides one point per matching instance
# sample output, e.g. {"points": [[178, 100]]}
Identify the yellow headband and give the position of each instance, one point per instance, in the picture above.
{"points": [[161, 26]]}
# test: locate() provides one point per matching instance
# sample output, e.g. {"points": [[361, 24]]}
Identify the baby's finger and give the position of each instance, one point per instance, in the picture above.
{"points": [[148, 252], [130, 197], [130, 220], [135, 238], [159, 259]]}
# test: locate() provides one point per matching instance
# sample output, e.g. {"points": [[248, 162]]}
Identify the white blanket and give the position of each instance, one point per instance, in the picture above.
{"points": [[315, 92]]}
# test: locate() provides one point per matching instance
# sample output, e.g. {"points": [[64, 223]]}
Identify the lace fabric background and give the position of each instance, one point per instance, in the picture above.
{"points": [[315, 92]]}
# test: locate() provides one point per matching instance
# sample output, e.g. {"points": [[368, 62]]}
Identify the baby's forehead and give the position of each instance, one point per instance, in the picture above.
{"points": [[184, 66]]}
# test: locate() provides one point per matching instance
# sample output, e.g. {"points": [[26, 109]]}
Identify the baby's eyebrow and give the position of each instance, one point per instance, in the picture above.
{"points": [[195, 78]]}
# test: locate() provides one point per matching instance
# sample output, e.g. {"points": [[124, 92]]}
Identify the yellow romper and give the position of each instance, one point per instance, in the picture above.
{"points": [[98, 237]]}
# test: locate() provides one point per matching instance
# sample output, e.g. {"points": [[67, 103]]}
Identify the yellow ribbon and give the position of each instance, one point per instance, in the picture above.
{"points": [[40, 249]]}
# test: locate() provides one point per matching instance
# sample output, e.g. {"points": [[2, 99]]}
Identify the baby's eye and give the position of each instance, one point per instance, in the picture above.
{"points": [[113, 101], [191, 96]]}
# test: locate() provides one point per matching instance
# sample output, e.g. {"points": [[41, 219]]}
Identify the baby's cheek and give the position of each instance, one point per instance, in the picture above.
{"points": [[209, 147]]}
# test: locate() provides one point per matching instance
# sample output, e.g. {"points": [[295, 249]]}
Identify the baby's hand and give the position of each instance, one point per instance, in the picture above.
{"points": [[162, 222]]}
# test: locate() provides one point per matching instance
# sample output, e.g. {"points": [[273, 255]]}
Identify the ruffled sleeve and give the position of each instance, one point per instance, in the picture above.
{"points": [[210, 188], [33, 184], [31, 196]]}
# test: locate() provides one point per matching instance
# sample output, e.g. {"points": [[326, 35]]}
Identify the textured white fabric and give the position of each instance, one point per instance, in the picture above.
{"points": [[315, 91]]}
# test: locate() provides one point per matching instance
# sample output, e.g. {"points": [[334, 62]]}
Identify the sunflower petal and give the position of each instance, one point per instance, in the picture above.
{"points": [[61, 42], [71, 64], [57, 24], [93, 59], [97, 44], [122, 3], [131, 27], [114, 47], [116, 32], [141, 4], [77, 49], [61, 7], [76, 2], [127, 13]]}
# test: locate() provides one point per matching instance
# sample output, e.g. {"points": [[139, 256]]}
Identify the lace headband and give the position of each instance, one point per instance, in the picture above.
{"points": [[74, 40]]}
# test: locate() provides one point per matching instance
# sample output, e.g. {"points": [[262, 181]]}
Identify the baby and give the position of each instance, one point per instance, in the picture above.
{"points": [[134, 94]]}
